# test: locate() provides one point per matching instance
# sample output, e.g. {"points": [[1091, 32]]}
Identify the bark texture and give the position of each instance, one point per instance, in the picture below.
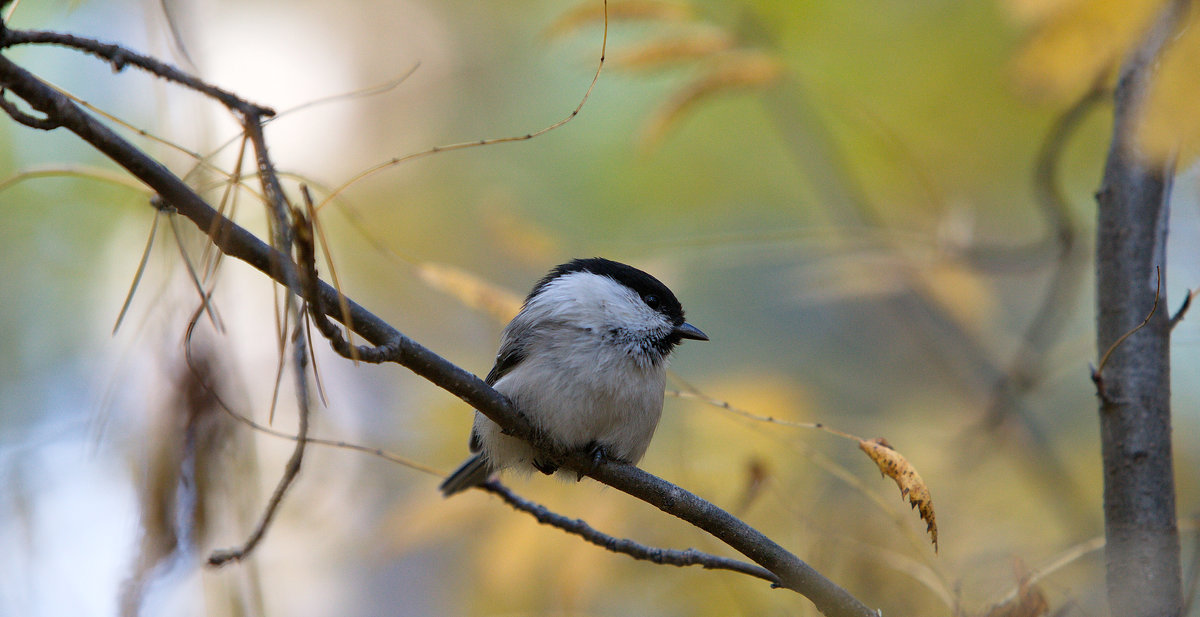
{"points": [[1134, 382]]}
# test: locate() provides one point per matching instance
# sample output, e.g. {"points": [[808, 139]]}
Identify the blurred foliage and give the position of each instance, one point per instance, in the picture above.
{"points": [[817, 182]]}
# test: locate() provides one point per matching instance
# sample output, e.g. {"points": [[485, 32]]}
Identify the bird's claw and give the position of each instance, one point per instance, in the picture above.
{"points": [[599, 456], [545, 467]]}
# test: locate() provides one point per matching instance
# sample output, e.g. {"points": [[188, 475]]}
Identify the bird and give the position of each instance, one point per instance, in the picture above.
{"points": [[585, 361]]}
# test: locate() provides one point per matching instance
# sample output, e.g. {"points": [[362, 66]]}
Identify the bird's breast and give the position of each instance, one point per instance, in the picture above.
{"points": [[589, 391]]}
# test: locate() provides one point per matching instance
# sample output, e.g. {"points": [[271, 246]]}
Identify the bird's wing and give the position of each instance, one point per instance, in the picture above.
{"points": [[509, 357]]}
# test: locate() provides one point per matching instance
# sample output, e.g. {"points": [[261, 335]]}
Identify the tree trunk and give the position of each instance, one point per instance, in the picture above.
{"points": [[1142, 553]]}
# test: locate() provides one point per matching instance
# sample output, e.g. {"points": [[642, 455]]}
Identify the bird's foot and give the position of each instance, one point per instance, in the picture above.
{"points": [[598, 455]]}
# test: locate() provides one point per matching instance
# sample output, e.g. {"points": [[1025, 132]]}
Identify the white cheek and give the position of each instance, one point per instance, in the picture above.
{"points": [[590, 301]]}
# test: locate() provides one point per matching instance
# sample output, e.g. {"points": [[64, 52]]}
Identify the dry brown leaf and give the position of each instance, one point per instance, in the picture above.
{"points": [[593, 12], [893, 465], [733, 71], [470, 290]]}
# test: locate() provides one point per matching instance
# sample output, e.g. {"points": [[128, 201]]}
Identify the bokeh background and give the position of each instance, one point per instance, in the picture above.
{"points": [[841, 193]]}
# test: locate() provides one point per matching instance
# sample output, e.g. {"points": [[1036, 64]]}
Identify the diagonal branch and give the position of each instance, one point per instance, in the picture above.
{"points": [[394, 346]]}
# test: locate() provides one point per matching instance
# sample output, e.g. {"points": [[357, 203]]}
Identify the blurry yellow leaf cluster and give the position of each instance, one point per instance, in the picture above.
{"points": [[592, 12], [735, 70], [470, 289], [657, 53], [724, 64], [1170, 122], [1078, 44]]}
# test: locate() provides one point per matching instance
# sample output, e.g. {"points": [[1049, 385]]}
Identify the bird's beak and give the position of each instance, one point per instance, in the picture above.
{"points": [[687, 330]]}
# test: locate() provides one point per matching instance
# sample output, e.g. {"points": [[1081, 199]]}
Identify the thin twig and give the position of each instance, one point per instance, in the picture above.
{"points": [[227, 206], [318, 310], [137, 276], [695, 394], [317, 234], [302, 228], [342, 96], [282, 234], [120, 57], [320, 441], [1099, 370], [578, 527], [205, 299], [291, 470], [482, 142], [283, 237], [1183, 308]]}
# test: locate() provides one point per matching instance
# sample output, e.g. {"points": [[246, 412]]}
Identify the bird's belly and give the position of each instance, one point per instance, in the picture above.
{"points": [[616, 405]]}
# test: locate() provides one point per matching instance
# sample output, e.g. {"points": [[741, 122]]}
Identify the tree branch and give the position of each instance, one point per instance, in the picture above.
{"points": [[41, 124], [119, 57], [394, 346], [1142, 548]]}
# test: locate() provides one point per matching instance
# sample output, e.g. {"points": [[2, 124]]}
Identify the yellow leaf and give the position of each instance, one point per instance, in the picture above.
{"points": [[734, 71], [664, 52], [893, 465], [1073, 48], [470, 289], [593, 12]]}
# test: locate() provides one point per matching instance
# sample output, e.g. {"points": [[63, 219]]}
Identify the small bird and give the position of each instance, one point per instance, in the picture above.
{"points": [[585, 360]]}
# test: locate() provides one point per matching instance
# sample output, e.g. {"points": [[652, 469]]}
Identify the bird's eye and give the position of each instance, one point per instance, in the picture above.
{"points": [[651, 301]]}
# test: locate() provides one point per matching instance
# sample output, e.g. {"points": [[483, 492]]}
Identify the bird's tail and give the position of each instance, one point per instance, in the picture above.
{"points": [[473, 472]]}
